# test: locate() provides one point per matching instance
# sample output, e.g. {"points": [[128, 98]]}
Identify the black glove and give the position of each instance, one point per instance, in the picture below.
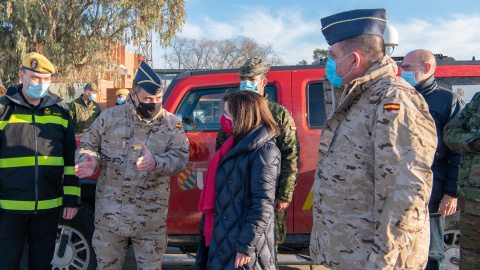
{"points": [[476, 145]]}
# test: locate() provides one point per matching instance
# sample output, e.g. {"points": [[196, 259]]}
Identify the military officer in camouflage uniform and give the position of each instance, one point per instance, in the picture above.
{"points": [[139, 145], [253, 76], [84, 109], [463, 134], [373, 179]]}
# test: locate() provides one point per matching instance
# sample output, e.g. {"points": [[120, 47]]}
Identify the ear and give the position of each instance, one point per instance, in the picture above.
{"points": [[21, 75], [428, 68], [264, 82], [356, 61]]}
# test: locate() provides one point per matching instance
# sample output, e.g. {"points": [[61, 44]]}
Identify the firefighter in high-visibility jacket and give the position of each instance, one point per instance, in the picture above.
{"points": [[37, 147]]}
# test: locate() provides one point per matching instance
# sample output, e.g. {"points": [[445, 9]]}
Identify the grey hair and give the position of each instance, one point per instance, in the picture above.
{"points": [[136, 87], [372, 47]]}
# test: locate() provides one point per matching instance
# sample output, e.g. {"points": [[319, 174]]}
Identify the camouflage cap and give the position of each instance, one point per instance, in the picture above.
{"points": [[91, 87], [253, 67]]}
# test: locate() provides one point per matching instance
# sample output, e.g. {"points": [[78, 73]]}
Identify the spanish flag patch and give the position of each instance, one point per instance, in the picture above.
{"points": [[179, 125], [293, 128], [391, 106]]}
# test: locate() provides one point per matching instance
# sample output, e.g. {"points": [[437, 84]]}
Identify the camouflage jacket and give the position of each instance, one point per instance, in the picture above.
{"points": [[129, 200], [458, 135], [373, 179], [83, 114], [289, 147]]}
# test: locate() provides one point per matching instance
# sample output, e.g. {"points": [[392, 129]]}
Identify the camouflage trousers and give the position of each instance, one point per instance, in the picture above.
{"points": [[280, 227], [111, 248], [469, 241]]}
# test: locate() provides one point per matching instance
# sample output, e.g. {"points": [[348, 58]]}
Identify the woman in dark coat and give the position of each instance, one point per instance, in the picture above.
{"points": [[245, 183]]}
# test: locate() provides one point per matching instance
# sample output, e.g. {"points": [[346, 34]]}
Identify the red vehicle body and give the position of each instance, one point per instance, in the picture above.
{"points": [[196, 97], [293, 86]]}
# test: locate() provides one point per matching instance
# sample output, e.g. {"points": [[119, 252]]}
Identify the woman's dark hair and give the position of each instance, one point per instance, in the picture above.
{"points": [[249, 110]]}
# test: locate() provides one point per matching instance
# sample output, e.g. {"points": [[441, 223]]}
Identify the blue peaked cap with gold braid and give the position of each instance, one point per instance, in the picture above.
{"points": [[353, 23], [148, 80]]}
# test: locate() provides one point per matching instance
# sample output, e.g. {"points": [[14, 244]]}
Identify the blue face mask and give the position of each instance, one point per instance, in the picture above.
{"points": [[120, 100], [249, 85], [37, 90], [331, 70], [92, 97], [409, 76]]}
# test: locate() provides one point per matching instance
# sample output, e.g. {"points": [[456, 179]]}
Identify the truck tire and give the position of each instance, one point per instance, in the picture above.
{"points": [[452, 241], [73, 248]]}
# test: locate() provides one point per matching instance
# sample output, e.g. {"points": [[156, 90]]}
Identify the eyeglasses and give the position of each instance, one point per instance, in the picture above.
{"points": [[408, 67]]}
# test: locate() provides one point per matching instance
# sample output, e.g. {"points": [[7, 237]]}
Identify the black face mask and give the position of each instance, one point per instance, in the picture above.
{"points": [[148, 110]]}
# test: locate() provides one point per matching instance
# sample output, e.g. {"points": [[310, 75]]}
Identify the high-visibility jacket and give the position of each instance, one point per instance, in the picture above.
{"points": [[37, 147]]}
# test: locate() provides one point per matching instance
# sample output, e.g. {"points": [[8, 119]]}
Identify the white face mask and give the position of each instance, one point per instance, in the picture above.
{"points": [[92, 97]]}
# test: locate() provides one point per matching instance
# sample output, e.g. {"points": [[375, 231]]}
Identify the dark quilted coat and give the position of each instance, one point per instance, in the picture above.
{"points": [[245, 185]]}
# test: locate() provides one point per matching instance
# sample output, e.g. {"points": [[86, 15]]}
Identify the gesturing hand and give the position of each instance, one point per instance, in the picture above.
{"points": [[86, 168], [147, 161]]}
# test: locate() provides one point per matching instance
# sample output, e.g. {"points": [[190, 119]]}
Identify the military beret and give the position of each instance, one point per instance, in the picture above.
{"points": [[148, 79], [38, 63], [91, 87], [122, 91], [353, 23], [253, 67]]}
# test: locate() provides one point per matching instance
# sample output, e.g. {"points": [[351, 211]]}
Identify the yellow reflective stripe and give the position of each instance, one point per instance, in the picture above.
{"points": [[50, 203], [26, 118], [29, 205], [50, 161], [20, 118], [51, 119], [69, 170], [30, 161], [70, 190]]}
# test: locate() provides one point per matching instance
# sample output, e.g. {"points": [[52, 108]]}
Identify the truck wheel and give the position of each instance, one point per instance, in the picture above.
{"points": [[73, 248], [452, 249], [452, 241]]}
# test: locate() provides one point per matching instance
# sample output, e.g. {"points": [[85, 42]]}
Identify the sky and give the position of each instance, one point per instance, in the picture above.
{"points": [[293, 27]]}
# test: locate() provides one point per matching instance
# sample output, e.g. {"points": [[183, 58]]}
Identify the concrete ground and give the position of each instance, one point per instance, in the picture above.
{"points": [[130, 263]]}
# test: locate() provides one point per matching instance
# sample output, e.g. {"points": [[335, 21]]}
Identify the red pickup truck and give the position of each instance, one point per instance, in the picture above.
{"points": [[196, 98]]}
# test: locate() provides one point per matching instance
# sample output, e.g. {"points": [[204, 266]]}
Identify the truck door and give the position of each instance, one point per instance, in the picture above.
{"points": [[198, 102], [309, 114]]}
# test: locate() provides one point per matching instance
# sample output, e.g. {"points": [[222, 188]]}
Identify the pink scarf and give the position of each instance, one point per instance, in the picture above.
{"points": [[207, 197]]}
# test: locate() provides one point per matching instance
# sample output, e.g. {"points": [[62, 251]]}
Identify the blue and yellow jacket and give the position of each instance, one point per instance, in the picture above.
{"points": [[37, 147]]}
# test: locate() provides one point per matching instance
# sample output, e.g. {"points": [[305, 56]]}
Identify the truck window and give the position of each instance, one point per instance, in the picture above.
{"points": [[201, 108], [316, 114]]}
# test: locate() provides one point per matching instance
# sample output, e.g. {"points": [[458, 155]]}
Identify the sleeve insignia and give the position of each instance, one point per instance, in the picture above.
{"points": [[179, 125], [391, 107], [294, 128]]}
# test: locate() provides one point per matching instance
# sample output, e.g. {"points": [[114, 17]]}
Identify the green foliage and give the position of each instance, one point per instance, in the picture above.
{"points": [[321, 54], [303, 62], [79, 36]]}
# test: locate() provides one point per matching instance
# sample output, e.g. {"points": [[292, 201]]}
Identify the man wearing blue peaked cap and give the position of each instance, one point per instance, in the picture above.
{"points": [[147, 79], [352, 23], [140, 145], [373, 178]]}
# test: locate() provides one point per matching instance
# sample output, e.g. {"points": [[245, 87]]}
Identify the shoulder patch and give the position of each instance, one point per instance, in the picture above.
{"points": [[293, 128], [391, 107], [178, 125]]}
